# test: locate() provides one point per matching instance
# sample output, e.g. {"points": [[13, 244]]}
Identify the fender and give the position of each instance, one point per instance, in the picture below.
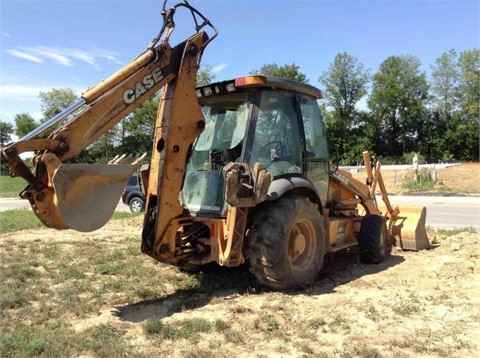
{"points": [[281, 186]]}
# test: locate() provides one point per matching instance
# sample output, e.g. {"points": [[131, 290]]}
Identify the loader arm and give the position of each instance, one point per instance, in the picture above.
{"points": [[83, 197], [406, 227]]}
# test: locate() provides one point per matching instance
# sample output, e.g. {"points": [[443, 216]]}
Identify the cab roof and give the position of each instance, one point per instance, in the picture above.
{"points": [[253, 81]]}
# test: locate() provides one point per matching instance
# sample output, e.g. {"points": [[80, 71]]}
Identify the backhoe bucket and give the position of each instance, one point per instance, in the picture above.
{"points": [[408, 229], [86, 195]]}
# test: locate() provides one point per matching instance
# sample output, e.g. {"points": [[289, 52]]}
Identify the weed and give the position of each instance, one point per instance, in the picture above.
{"points": [[316, 323], [306, 348], [366, 351], [272, 323], [407, 306], [197, 353], [372, 313], [195, 325], [160, 330], [229, 333], [104, 341], [23, 343], [188, 329], [423, 181], [109, 269], [221, 325], [234, 336], [453, 232], [13, 298]]}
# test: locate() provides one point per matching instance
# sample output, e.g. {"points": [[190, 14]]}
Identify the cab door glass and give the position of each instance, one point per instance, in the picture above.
{"points": [[316, 154], [277, 142]]}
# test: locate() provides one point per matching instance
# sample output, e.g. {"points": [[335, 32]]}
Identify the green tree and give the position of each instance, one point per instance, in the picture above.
{"points": [[469, 82], [291, 72], [6, 131], [24, 124], [205, 75], [104, 148], [345, 84], [55, 101], [455, 91], [444, 84], [398, 102], [443, 94], [139, 126], [468, 118]]}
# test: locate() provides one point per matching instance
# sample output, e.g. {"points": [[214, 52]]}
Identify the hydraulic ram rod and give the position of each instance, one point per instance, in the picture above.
{"points": [[55, 119]]}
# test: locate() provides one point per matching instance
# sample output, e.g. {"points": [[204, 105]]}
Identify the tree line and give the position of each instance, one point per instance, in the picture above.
{"points": [[394, 112]]}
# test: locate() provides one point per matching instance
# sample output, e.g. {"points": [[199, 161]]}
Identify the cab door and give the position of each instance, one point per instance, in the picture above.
{"points": [[315, 156]]}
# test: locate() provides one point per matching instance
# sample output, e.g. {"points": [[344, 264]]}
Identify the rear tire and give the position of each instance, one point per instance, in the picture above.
{"points": [[136, 205], [287, 243], [373, 243]]}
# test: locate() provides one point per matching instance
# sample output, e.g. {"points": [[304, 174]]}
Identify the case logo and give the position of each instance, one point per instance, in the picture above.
{"points": [[141, 87]]}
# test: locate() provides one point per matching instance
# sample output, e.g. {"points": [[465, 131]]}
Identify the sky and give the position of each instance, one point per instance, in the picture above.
{"points": [[75, 44]]}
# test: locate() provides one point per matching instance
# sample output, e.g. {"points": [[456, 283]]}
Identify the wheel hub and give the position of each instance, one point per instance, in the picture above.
{"points": [[296, 246]]}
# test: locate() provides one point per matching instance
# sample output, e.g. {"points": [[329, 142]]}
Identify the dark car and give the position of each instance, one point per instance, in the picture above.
{"points": [[133, 196]]}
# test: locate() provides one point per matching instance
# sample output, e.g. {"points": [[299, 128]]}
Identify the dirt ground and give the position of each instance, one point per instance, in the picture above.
{"points": [[461, 179], [415, 304]]}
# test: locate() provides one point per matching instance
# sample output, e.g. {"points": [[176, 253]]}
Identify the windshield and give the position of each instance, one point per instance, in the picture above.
{"points": [[219, 144], [224, 128]]}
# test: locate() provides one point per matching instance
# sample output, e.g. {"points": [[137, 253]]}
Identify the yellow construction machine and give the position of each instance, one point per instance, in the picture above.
{"points": [[239, 172]]}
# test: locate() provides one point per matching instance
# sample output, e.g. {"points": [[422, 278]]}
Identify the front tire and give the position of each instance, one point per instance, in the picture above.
{"points": [[287, 243], [374, 244]]}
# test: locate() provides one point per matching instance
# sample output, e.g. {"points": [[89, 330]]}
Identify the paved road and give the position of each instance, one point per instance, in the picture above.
{"points": [[445, 212], [442, 211], [13, 203]]}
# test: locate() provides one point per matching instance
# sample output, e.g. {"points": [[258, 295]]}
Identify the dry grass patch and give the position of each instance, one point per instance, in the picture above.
{"points": [[97, 295]]}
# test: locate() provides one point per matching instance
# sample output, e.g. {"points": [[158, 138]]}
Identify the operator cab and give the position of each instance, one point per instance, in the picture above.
{"points": [[256, 119]]}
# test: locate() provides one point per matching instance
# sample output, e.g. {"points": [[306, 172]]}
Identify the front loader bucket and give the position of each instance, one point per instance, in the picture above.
{"points": [[86, 195], [408, 229]]}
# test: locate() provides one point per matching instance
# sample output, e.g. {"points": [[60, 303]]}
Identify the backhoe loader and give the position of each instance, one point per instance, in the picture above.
{"points": [[239, 172]]}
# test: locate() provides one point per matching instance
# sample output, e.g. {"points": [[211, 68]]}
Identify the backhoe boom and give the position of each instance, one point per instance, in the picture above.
{"points": [[83, 197]]}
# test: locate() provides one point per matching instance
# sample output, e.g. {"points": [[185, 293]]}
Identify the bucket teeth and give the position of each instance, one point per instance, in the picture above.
{"points": [[133, 159]]}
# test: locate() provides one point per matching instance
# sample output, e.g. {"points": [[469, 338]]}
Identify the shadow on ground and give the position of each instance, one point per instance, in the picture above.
{"points": [[220, 282]]}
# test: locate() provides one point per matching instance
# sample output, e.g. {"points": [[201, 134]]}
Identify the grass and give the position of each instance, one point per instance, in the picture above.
{"points": [[54, 296], [188, 329], [25, 219], [18, 219], [453, 232], [45, 284], [11, 187], [52, 293], [422, 182]]}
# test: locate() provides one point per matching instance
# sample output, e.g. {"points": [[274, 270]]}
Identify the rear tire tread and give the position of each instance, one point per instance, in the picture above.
{"points": [[267, 251], [372, 248]]}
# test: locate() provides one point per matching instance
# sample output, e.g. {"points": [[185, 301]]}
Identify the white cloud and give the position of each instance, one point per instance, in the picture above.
{"points": [[110, 56], [219, 67], [53, 54], [24, 55], [15, 90], [6, 34], [63, 55], [84, 56], [22, 93]]}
